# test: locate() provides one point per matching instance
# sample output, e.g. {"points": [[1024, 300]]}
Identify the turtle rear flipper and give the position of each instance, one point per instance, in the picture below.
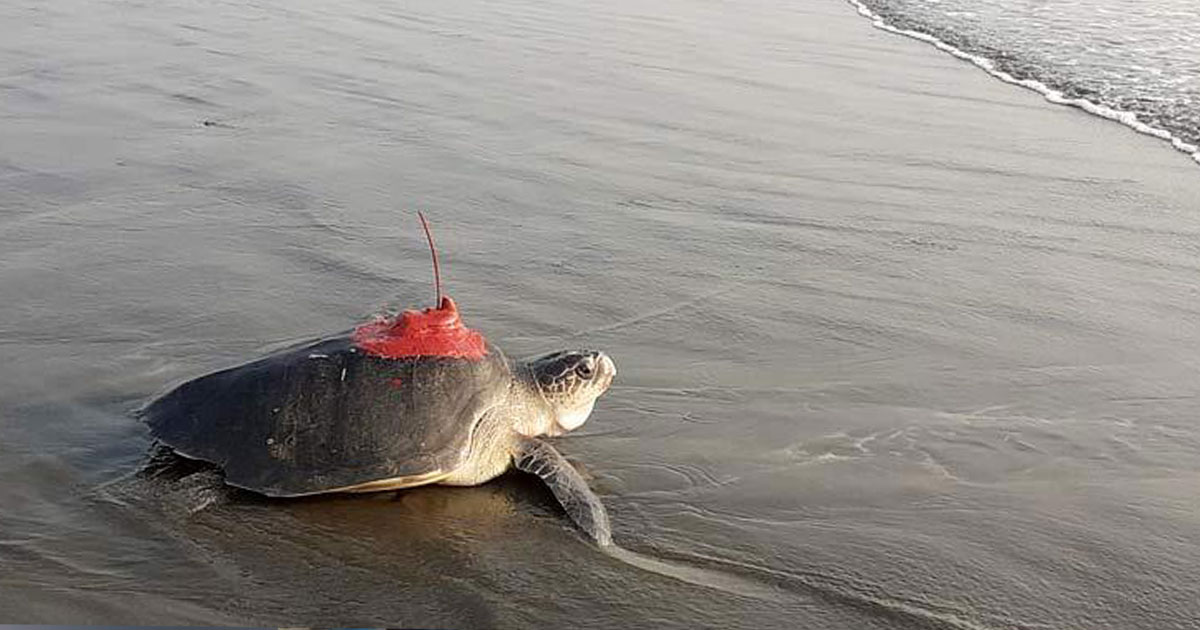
{"points": [[193, 485]]}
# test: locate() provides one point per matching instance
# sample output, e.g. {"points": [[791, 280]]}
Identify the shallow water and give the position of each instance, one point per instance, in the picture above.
{"points": [[864, 382]]}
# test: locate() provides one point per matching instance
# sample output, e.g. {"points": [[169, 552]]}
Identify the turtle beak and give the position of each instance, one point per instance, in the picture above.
{"points": [[607, 368]]}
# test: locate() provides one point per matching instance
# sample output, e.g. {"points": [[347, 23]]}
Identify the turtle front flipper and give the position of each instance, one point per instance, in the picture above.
{"points": [[582, 505]]}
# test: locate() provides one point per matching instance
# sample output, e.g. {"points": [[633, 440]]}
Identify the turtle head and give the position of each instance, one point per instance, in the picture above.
{"points": [[570, 382]]}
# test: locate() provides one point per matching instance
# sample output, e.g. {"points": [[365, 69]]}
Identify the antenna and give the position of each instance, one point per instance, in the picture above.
{"points": [[437, 274]]}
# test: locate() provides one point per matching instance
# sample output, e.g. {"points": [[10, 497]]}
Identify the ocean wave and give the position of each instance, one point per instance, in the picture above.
{"points": [[1058, 97]]}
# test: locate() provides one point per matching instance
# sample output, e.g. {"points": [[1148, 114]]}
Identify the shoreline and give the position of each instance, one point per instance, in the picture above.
{"points": [[1128, 119]]}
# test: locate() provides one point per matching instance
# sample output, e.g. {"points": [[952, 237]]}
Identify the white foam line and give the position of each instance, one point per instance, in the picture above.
{"points": [[1128, 119]]}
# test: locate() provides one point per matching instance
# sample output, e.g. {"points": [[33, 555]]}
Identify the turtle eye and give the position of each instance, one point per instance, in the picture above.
{"points": [[584, 370]]}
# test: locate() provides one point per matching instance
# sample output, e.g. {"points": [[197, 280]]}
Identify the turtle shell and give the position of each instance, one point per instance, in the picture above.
{"points": [[339, 413]]}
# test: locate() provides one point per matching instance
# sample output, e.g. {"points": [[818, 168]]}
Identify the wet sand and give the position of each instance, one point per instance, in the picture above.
{"points": [[902, 344]]}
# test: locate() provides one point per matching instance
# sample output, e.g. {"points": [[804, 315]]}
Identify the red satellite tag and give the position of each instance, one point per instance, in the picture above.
{"points": [[433, 332]]}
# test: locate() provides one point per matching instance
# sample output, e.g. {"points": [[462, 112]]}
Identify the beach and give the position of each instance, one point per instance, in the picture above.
{"points": [[899, 344]]}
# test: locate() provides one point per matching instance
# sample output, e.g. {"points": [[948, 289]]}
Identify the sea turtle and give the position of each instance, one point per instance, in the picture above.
{"points": [[398, 402]]}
